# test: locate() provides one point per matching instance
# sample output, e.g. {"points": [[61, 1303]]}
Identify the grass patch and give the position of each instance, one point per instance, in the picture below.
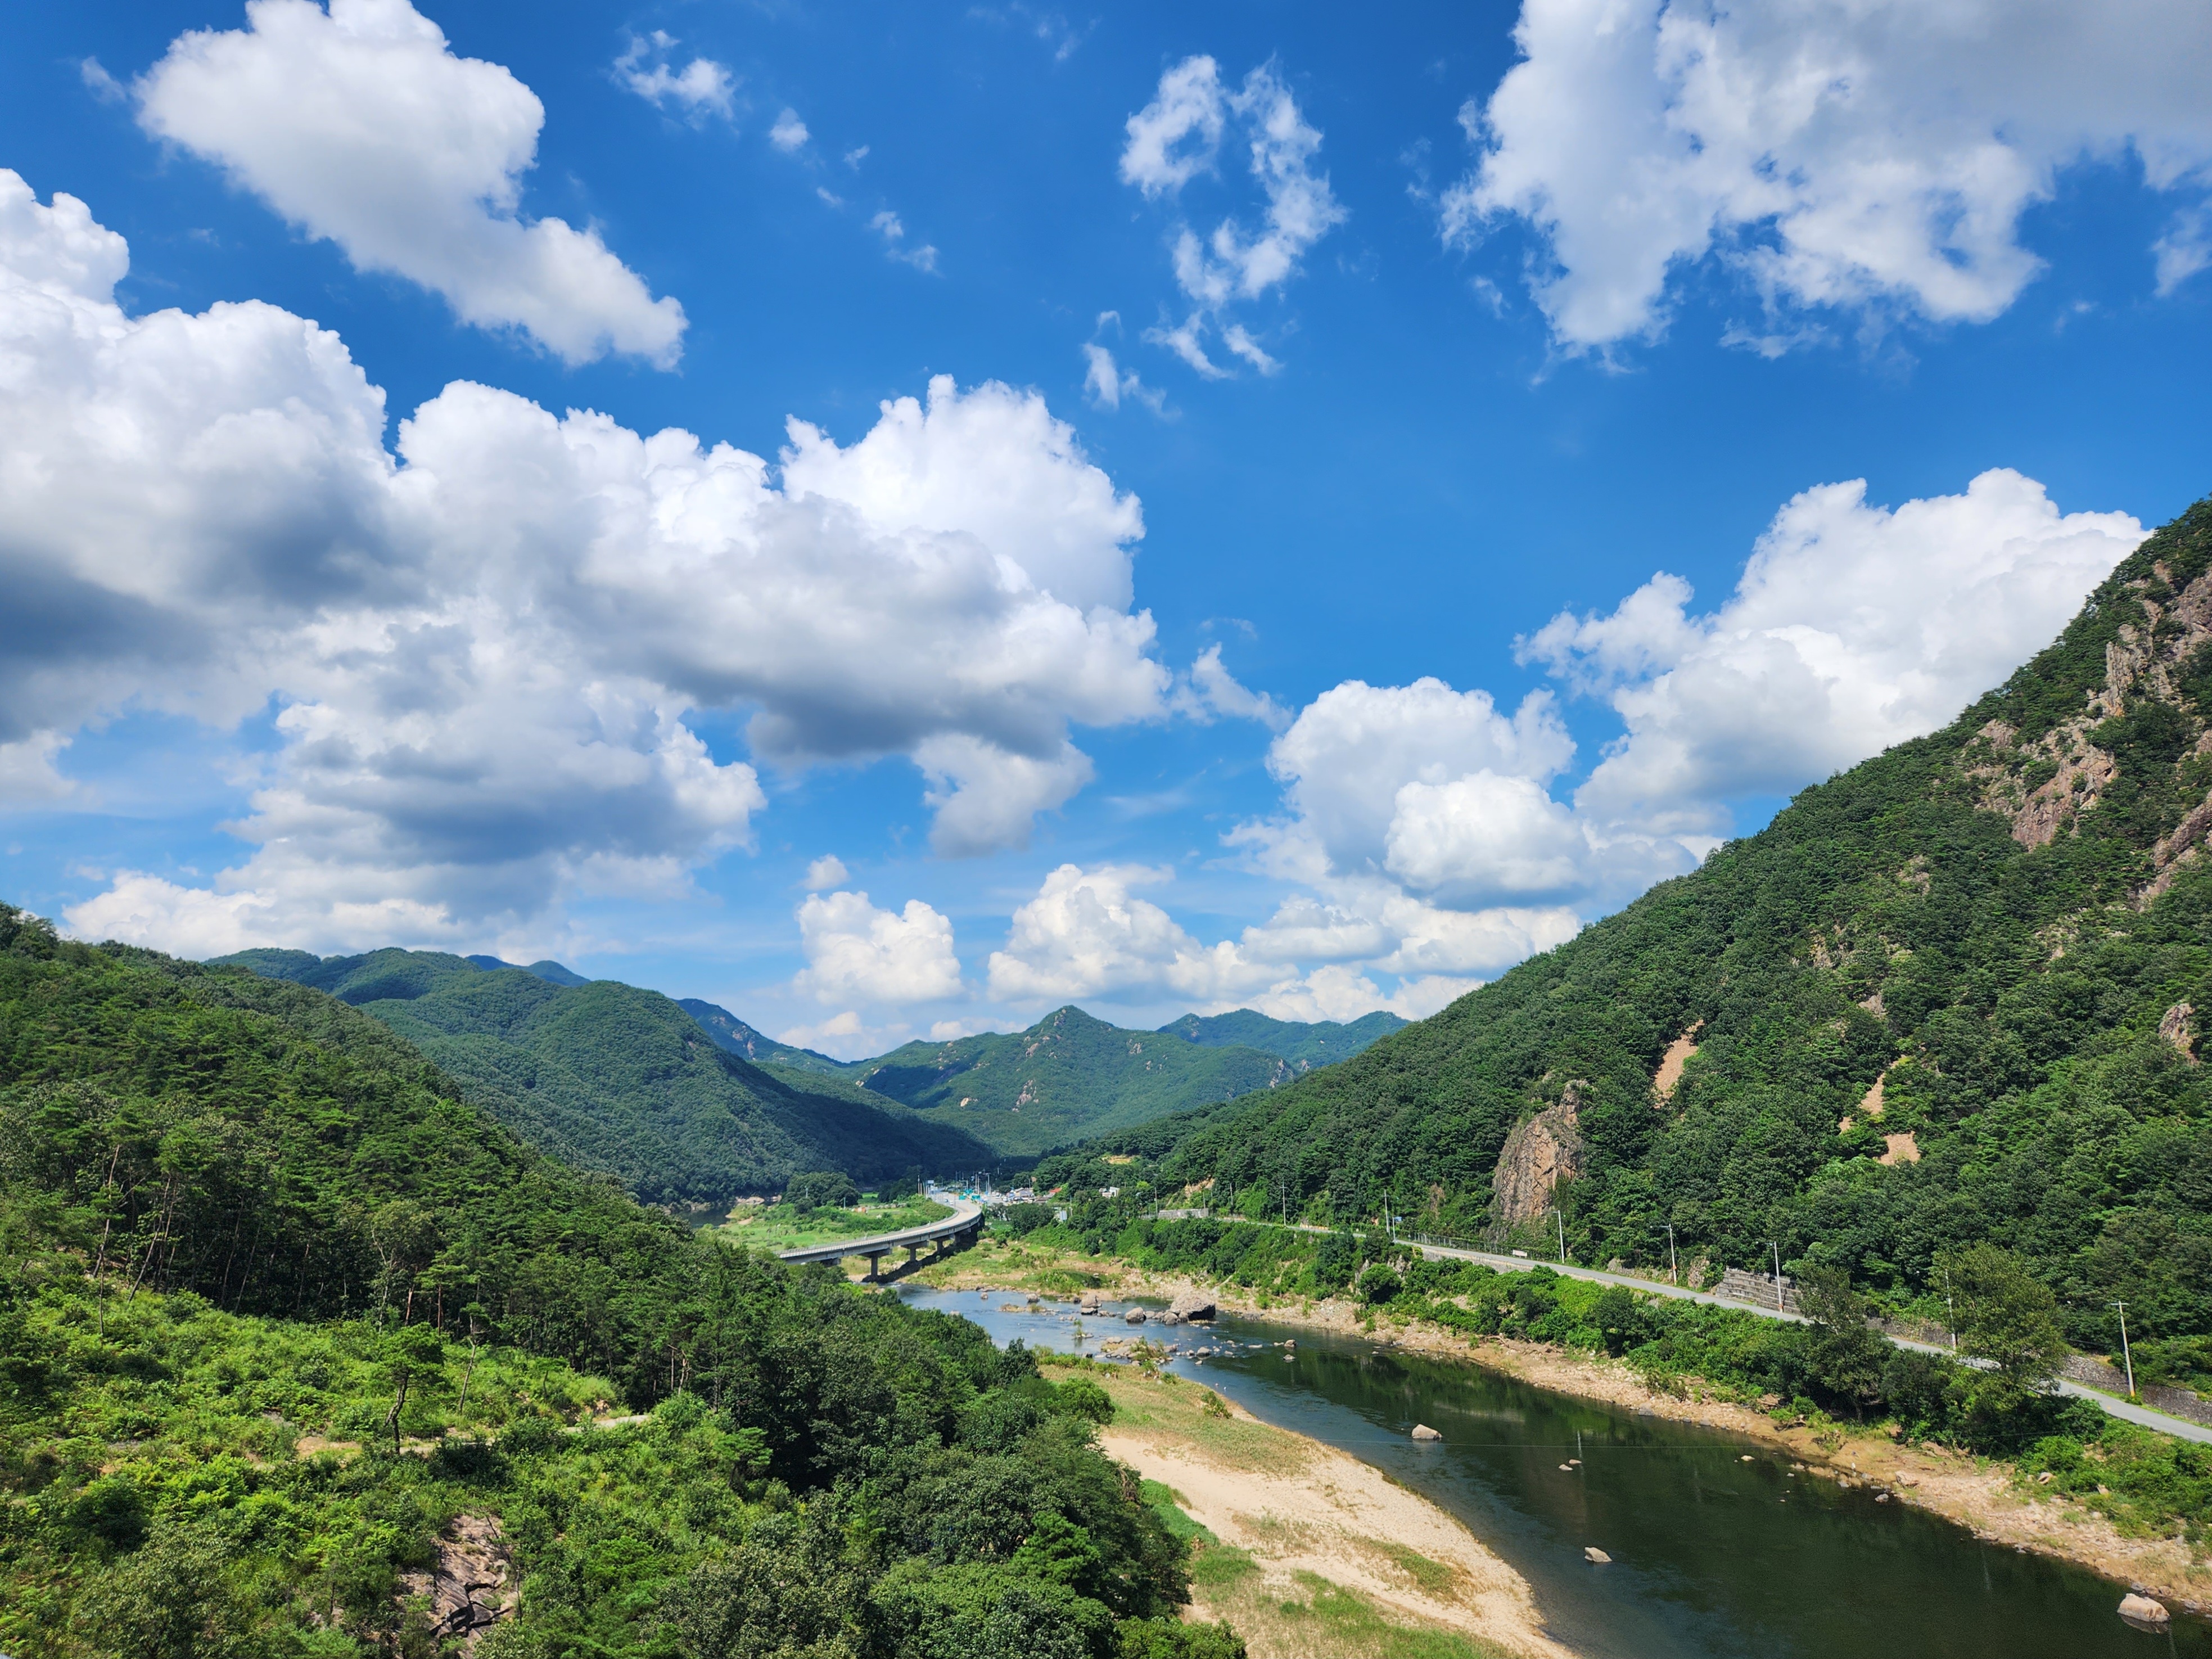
{"points": [[1219, 1566], [1180, 1413], [1167, 1502], [1321, 1618], [781, 1227], [1430, 1577], [1355, 1627]]}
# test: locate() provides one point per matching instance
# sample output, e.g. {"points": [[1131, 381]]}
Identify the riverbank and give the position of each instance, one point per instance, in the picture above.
{"points": [[1983, 1495], [1308, 1551]]}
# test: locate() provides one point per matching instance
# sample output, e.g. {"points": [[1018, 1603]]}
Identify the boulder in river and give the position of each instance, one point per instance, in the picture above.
{"points": [[2143, 1613], [1591, 1552], [1423, 1431], [1191, 1304], [1088, 1304], [1134, 1316]]}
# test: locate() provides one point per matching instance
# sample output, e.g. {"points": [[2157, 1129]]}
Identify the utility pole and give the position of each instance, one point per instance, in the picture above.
{"points": [[2125, 1355], [1556, 1210], [1776, 1248], [1951, 1310], [1673, 1277]]}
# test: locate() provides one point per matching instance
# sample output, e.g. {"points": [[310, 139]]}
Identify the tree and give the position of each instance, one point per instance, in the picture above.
{"points": [[409, 1351], [2006, 1316], [1846, 1353], [819, 1189]]}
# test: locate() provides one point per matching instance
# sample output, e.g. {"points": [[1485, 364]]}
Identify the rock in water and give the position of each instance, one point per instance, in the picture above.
{"points": [[1134, 1316], [1423, 1431], [2143, 1613], [1191, 1304], [1592, 1552], [1088, 1304]]}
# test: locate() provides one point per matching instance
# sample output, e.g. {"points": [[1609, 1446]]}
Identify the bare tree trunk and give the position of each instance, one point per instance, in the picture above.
{"points": [[398, 1404]]}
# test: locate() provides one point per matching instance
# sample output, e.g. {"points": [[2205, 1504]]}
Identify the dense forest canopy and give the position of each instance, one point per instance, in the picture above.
{"points": [[1305, 1044], [246, 1233], [1069, 1075], [1953, 994], [610, 1078]]}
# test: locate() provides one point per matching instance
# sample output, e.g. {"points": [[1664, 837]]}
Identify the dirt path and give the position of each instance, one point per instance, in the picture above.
{"points": [[1324, 1557], [1976, 1492]]}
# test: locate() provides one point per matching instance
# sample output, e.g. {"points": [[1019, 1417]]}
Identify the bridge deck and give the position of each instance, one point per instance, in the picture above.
{"points": [[968, 1217]]}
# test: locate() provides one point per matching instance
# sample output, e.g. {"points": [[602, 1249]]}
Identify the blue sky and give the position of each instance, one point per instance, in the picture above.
{"points": [[1526, 320]]}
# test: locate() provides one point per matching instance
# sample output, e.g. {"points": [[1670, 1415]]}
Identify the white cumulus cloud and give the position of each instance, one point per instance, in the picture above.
{"points": [[1849, 153], [484, 649], [789, 133], [702, 87], [1422, 835], [1854, 627], [360, 126], [856, 952], [1087, 934]]}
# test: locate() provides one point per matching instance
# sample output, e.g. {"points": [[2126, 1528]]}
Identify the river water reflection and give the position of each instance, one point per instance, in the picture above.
{"points": [[1713, 1557]]}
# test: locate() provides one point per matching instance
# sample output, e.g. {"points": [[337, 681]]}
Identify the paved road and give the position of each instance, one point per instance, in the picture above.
{"points": [[2181, 1428], [967, 1218]]}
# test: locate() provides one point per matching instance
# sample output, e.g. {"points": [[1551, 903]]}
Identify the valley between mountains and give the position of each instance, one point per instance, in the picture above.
{"points": [[312, 1264]]}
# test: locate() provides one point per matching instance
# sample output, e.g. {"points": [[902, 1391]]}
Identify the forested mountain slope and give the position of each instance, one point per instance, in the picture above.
{"points": [[1305, 1045], [1067, 1076], [1955, 994], [614, 1079], [270, 1287], [733, 1035]]}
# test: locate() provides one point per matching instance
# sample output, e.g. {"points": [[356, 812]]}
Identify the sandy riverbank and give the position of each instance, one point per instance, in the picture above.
{"points": [[1976, 1492], [1314, 1554]]}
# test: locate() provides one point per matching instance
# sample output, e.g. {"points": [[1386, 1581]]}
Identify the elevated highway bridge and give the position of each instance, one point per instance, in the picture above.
{"points": [[939, 1237]]}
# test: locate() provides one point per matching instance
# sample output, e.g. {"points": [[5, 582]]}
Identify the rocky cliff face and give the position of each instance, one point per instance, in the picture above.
{"points": [[1541, 1152]]}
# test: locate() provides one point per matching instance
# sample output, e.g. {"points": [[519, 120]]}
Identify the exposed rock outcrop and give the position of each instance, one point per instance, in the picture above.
{"points": [[1541, 1152], [471, 1584], [2179, 1028]]}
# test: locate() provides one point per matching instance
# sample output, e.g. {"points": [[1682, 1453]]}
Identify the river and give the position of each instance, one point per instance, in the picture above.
{"points": [[1713, 1557]]}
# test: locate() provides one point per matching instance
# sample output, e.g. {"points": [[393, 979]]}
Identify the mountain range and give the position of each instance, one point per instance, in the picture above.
{"points": [[1954, 993], [615, 1078]]}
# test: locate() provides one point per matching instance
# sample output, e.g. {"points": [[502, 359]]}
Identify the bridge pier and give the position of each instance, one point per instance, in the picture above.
{"points": [[875, 1266]]}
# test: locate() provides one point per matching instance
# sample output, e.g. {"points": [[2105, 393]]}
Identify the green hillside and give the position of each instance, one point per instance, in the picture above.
{"points": [[1068, 1076], [733, 1036], [291, 1337], [2007, 925], [1323, 1042], [620, 1080]]}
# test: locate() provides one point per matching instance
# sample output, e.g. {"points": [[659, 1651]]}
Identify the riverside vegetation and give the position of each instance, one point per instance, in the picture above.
{"points": [[1951, 996], [1835, 1373], [300, 1354]]}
